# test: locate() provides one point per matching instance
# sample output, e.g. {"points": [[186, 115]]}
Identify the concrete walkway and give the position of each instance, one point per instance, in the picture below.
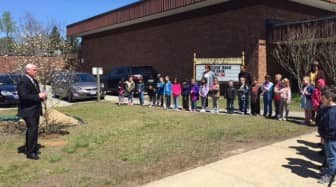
{"points": [[290, 163]]}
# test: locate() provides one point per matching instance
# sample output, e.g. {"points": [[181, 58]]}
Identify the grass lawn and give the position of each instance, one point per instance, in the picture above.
{"points": [[8, 112], [129, 146]]}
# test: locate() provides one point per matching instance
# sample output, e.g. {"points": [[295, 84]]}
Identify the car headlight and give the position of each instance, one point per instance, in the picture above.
{"points": [[76, 87], [6, 93]]}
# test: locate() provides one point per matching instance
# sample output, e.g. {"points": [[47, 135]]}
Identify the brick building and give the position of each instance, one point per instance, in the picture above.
{"points": [[166, 33], [9, 64]]}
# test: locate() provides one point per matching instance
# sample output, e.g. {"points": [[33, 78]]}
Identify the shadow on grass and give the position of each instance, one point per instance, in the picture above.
{"points": [[51, 131], [296, 120], [22, 148], [305, 168]]}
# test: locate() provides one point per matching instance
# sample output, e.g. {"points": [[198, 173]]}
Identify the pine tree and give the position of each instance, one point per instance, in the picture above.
{"points": [[55, 40]]}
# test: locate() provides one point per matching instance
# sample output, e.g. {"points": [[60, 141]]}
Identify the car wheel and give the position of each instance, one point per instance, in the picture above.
{"points": [[54, 95], [70, 97]]}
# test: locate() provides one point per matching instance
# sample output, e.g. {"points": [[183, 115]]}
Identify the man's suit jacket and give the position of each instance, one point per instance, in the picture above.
{"points": [[30, 102]]}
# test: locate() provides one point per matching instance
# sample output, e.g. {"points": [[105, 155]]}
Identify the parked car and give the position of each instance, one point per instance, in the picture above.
{"points": [[74, 86], [111, 79], [8, 92]]}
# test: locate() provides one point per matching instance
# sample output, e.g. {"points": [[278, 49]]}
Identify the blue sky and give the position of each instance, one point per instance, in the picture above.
{"points": [[60, 11]]}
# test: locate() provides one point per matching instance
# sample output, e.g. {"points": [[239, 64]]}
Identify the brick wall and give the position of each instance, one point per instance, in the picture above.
{"points": [[9, 64], [168, 44]]}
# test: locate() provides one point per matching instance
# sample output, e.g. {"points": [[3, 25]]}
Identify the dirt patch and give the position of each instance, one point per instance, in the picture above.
{"points": [[57, 122], [53, 143], [56, 117], [8, 128]]}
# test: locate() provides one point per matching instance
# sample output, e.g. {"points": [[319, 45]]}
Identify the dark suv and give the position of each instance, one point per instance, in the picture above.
{"points": [[8, 92], [111, 79]]}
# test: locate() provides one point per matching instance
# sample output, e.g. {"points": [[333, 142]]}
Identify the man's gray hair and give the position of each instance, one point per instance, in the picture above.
{"points": [[30, 66]]}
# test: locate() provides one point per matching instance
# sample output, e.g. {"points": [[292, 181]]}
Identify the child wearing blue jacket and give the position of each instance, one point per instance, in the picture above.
{"points": [[326, 122], [267, 93], [306, 99], [167, 92]]}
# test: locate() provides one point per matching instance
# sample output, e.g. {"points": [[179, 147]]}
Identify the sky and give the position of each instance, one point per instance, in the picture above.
{"points": [[63, 12]]}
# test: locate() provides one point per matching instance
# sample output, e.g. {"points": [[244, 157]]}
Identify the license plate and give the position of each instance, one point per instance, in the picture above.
{"points": [[93, 92]]}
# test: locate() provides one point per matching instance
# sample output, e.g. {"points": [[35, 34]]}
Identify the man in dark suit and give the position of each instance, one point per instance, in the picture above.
{"points": [[30, 107]]}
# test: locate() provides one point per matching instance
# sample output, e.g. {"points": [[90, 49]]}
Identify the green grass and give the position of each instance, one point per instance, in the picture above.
{"points": [[8, 112], [128, 146]]}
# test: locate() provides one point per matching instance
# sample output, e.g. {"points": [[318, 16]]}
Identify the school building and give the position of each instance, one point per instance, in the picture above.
{"points": [[165, 34]]}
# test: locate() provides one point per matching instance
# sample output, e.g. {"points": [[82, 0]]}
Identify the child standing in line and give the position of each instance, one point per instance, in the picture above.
{"points": [[306, 99], [230, 95], [320, 86], [326, 120], [277, 95], [167, 92], [152, 94], [215, 93], [176, 93], [160, 90], [121, 91], [317, 94], [255, 97], [267, 93], [185, 95], [194, 95], [243, 96], [130, 87], [203, 92], [286, 97], [141, 91]]}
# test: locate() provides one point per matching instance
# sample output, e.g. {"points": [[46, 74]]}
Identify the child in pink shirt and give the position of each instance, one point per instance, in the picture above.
{"points": [[176, 93], [317, 94]]}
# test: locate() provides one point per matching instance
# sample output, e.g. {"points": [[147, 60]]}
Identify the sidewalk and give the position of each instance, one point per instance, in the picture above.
{"points": [[291, 163]]}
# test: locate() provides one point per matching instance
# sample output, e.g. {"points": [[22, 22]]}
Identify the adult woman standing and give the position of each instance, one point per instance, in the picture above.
{"points": [[316, 73], [209, 76]]}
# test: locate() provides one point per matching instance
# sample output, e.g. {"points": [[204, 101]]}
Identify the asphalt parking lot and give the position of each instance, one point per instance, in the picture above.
{"points": [[57, 102]]}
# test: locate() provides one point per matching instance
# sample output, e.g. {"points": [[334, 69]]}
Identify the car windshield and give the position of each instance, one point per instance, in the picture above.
{"points": [[143, 70], [84, 78], [8, 79]]}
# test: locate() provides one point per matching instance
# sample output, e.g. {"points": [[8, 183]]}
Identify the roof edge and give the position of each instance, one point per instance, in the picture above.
{"points": [[175, 11], [105, 13], [320, 4]]}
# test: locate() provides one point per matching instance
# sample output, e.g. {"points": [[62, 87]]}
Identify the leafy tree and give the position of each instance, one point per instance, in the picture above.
{"points": [[7, 24], [8, 27], [74, 44], [1, 27]]}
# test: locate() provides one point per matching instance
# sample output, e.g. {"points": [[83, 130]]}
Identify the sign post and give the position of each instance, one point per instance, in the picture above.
{"points": [[98, 71], [226, 69]]}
